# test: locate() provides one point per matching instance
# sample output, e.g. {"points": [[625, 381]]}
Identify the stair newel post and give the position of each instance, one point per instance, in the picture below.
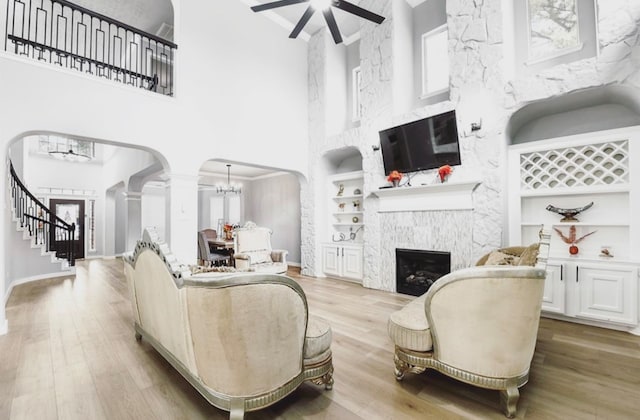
{"points": [[72, 234]]}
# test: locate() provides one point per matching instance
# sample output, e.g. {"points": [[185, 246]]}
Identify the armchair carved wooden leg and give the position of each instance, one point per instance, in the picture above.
{"points": [[326, 380], [403, 367], [508, 400]]}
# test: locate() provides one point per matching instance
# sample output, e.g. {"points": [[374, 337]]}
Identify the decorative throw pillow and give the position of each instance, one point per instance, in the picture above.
{"points": [[259, 257], [530, 255], [500, 258], [197, 269]]}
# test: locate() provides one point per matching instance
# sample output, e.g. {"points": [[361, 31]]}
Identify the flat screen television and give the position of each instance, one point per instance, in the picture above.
{"points": [[419, 145]]}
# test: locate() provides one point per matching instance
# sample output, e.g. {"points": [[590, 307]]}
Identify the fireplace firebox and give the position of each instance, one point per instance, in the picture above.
{"points": [[417, 270]]}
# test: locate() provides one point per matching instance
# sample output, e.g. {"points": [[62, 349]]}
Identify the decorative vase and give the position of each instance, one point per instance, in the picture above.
{"points": [[395, 182], [573, 250]]}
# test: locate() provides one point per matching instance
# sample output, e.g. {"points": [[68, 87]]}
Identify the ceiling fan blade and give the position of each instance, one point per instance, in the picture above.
{"points": [[358, 11], [333, 26], [276, 4], [303, 21]]}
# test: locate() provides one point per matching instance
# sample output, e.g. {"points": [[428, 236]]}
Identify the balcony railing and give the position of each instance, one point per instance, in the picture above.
{"points": [[68, 35]]}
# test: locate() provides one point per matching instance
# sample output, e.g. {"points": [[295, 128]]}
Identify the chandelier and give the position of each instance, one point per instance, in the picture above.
{"points": [[70, 156], [228, 187], [69, 150]]}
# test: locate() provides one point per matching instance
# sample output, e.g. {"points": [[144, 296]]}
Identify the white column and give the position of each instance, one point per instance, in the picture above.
{"points": [[182, 217], [133, 201]]}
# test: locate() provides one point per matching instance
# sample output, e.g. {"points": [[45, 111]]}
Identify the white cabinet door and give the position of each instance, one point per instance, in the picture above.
{"points": [[553, 299], [331, 260], [608, 293], [352, 263]]}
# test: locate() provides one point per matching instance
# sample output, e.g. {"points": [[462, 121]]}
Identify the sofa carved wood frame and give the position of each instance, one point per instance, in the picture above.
{"points": [[482, 323], [156, 261]]}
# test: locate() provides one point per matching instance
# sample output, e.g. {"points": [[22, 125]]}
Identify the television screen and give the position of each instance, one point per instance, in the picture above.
{"points": [[424, 144]]}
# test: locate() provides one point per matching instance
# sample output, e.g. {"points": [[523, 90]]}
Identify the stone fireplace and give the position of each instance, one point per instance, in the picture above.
{"points": [[417, 270]]}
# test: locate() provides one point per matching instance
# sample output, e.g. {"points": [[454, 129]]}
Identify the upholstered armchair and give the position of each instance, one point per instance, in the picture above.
{"points": [[252, 249], [478, 325], [242, 340]]}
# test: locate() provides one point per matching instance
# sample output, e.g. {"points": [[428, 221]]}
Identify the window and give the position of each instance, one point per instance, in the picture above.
{"points": [[356, 79], [435, 61], [225, 208], [48, 144], [547, 33], [553, 28]]}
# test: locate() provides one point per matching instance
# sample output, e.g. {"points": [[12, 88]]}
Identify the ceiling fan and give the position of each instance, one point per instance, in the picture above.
{"points": [[325, 6]]}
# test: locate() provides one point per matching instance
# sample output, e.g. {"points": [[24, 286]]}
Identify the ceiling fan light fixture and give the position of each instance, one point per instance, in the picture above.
{"points": [[321, 4], [325, 7]]}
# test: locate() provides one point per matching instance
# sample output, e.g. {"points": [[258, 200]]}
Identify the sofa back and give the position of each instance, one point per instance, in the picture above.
{"points": [[485, 321], [240, 334], [248, 332]]}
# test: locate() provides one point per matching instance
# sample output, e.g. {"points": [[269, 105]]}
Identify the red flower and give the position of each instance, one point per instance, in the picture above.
{"points": [[444, 172], [394, 176]]}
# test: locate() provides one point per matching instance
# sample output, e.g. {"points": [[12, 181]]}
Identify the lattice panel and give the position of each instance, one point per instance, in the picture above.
{"points": [[578, 166]]}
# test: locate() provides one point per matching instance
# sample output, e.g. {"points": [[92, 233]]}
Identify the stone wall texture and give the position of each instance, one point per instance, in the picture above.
{"points": [[478, 89]]}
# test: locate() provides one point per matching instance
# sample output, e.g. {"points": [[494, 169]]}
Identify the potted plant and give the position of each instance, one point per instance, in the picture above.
{"points": [[394, 177]]}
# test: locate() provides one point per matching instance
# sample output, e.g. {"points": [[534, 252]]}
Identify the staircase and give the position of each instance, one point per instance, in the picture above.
{"points": [[45, 231]]}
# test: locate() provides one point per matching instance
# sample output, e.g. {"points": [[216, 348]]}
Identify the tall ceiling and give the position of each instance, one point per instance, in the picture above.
{"points": [[147, 15], [347, 23]]}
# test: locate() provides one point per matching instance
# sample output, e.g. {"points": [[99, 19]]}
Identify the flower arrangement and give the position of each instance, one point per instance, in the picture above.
{"points": [[571, 239], [444, 171], [228, 229], [394, 176]]}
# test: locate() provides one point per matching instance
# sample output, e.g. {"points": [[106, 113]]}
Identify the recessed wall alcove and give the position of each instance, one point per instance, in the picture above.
{"points": [[579, 112]]}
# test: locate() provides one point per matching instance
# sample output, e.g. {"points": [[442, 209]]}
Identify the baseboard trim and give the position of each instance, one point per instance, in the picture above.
{"points": [[24, 280], [295, 264], [95, 257]]}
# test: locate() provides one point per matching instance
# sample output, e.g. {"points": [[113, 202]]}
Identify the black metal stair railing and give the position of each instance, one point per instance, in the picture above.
{"points": [[42, 224], [63, 33]]}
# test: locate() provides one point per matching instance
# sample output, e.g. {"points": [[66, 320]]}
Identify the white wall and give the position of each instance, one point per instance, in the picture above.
{"points": [[274, 202], [153, 208]]}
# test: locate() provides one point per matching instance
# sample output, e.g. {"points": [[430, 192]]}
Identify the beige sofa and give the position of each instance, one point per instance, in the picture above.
{"points": [[478, 325], [252, 249], [243, 340]]}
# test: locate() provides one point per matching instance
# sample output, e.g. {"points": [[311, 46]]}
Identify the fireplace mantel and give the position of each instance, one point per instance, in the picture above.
{"points": [[446, 196]]}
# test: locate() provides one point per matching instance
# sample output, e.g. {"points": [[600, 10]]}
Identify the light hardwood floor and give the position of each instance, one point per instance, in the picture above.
{"points": [[71, 354]]}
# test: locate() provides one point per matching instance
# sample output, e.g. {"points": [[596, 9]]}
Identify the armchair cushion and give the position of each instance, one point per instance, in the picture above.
{"points": [[259, 257], [409, 328], [317, 340]]}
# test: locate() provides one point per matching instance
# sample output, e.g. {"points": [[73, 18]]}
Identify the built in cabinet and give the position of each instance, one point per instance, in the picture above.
{"points": [[599, 284], [342, 254], [341, 260]]}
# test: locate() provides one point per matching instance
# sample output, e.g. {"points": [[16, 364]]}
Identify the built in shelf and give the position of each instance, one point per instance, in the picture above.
{"points": [[347, 197], [347, 224], [447, 196], [347, 213], [555, 192], [604, 224]]}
